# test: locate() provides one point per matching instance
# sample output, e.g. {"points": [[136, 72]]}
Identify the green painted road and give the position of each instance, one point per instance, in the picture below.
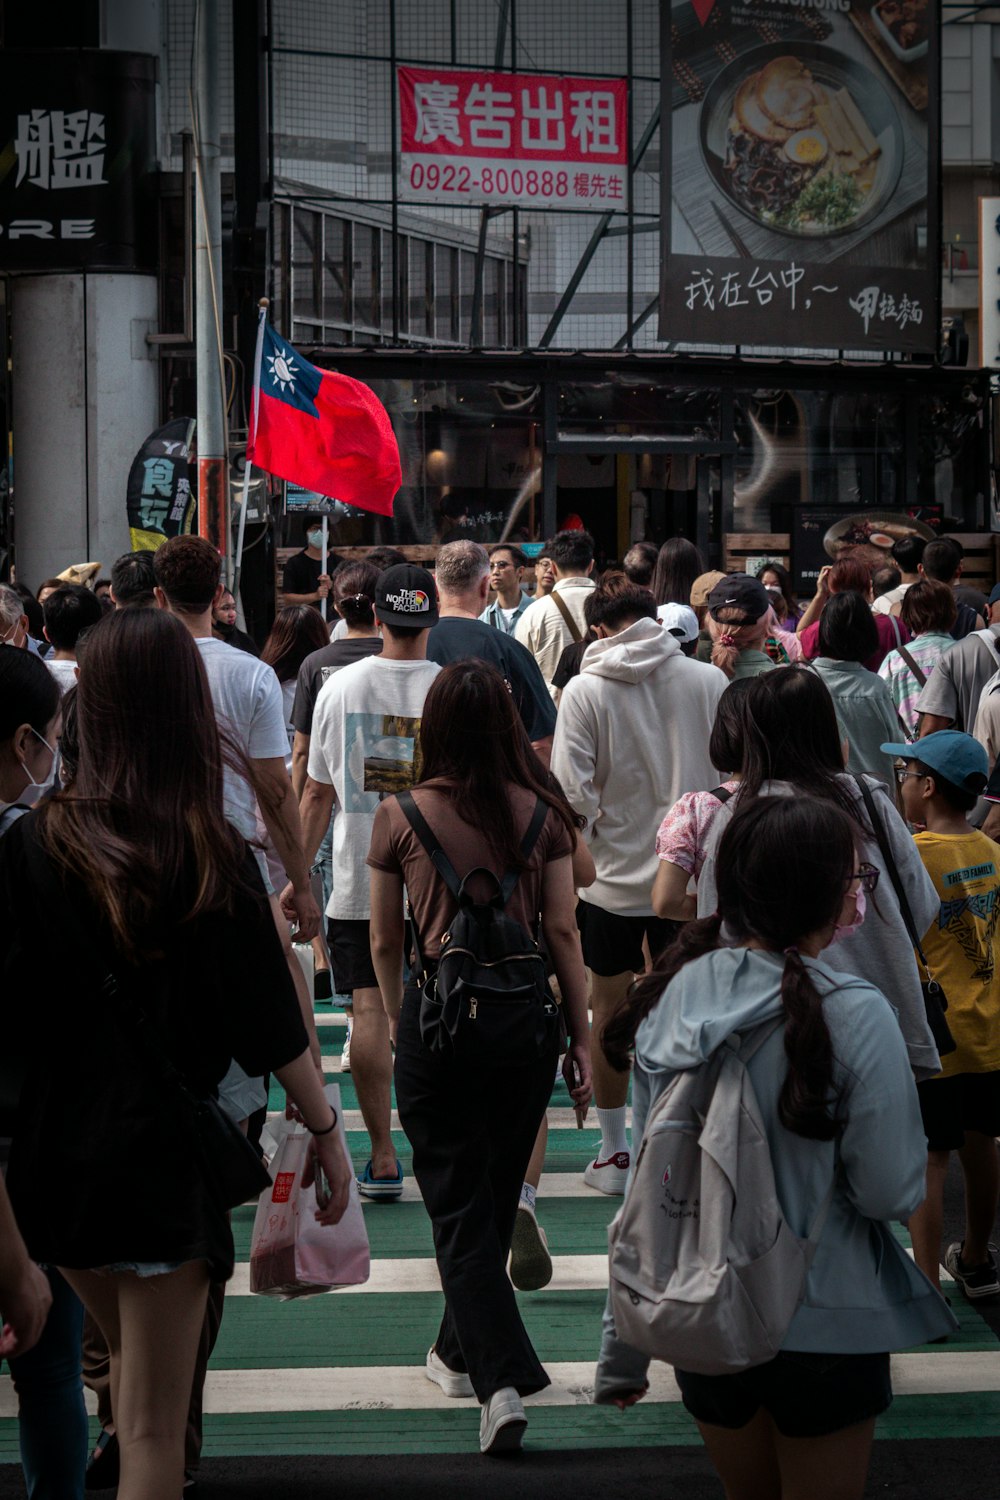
{"points": [[343, 1373]]}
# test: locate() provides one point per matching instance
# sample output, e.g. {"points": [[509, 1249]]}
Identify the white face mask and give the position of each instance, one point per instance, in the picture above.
{"points": [[35, 789], [315, 539]]}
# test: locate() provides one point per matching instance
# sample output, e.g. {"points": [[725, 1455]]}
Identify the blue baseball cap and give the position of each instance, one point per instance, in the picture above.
{"points": [[958, 757]]}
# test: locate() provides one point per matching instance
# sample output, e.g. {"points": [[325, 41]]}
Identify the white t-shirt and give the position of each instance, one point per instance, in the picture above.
{"points": [[883, 604], [364, 737], [249, 706], [64, 673]]}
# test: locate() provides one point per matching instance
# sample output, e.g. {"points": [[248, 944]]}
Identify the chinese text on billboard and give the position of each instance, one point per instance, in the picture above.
{"points": [[512, 138]]}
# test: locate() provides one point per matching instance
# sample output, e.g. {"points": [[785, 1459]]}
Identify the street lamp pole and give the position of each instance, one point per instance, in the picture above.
{"points": [[213, 488]]}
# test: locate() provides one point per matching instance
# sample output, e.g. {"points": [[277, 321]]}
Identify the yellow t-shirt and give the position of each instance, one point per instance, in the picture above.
{"points": [[961, 945]]}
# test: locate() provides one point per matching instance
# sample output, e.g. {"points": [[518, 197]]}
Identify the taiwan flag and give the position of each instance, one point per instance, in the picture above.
{"points": [[324, 431]]}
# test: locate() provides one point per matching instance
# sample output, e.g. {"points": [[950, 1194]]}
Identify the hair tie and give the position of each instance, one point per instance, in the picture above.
{"points": [[792, 952]]}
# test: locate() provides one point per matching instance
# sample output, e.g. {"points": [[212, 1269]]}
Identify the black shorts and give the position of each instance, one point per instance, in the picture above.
{"points": [[951, 1106], [350, 948], [612, 944], [805, 1395]]}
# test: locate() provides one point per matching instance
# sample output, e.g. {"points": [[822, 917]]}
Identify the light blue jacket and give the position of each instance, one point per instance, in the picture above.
{"points": [[863, 1293], [493, 615], [866, 715]]}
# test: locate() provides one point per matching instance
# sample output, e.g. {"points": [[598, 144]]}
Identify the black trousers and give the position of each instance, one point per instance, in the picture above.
{"points": [[472, 1131]]}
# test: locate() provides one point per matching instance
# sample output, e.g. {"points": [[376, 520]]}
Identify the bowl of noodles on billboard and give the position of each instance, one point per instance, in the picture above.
{"points": [[873, 528], [802, 138]]}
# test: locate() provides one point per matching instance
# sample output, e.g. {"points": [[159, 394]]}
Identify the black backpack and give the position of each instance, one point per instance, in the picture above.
{"points": [[489, 998]]}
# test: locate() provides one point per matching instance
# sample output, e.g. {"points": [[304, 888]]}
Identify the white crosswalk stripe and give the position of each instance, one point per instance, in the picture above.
{"points": [[406, 1387]]}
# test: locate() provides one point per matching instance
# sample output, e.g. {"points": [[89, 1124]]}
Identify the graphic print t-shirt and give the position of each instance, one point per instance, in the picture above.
{"points": [[961, 946], [365, 744]]}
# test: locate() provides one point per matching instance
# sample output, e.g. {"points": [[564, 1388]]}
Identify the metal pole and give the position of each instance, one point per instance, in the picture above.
{"points": [[213, 489], [323, 564], [262, 307], [394, 127]]}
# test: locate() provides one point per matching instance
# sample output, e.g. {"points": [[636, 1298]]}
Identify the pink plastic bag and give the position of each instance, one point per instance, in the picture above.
{"points": [[290, 1254]]}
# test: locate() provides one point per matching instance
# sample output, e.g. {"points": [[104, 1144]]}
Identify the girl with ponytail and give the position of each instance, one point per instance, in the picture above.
{"points": [[839, 1106]]}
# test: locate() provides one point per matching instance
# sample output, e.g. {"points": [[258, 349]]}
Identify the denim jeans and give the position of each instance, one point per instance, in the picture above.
{"points": [[51, 1413]]}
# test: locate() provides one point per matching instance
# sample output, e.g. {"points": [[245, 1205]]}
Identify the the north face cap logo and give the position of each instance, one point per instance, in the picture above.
{"points": [[409, 602]]}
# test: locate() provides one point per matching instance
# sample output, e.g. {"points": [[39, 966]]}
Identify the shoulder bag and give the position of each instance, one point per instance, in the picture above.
{"points": [[564, 610], [232, 1168], [935, 1000]]}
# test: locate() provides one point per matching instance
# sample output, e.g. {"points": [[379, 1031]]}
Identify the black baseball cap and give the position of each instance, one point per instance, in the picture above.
{"points": [[405, 595], [739, 591]]}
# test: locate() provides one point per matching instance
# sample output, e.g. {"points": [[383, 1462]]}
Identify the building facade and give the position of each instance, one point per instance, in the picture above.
{"points": [[518, 350]]}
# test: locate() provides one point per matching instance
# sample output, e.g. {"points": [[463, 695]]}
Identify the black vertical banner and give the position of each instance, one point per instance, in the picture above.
{"points": [[799, 203]]}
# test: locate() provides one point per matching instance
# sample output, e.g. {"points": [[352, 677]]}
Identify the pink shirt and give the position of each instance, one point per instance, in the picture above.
{"points": [[683, 834]]}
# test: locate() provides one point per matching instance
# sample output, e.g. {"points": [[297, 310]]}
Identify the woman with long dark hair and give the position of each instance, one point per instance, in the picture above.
{"points": [[792, 748], [472, 1123], [678, 564], [840, 1112], [778, 580], [297, 632], [177, 969]]}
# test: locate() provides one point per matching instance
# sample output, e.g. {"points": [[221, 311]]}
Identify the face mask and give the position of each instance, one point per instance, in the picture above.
{"points": [[860, 906], [315, 539], [10, 636], [34, 789]]}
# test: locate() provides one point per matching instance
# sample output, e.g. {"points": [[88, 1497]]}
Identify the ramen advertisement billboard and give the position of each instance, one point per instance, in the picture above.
{"points": [[802, 139]]}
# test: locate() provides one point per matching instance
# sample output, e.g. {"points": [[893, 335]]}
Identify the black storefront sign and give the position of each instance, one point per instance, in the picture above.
{"points": [[77, 152], [801, 148]]}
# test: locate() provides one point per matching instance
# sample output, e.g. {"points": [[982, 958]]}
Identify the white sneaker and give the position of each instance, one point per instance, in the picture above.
{"points": [[608, 1176], [502, 1424], [530, 1261], [452, 1382], [345, 1056]]}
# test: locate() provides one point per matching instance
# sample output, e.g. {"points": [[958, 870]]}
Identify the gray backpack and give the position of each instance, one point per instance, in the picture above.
{"points": [[705, 1272]]}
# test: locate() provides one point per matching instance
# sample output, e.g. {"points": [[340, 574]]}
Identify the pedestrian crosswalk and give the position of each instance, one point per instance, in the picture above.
{"points": [[343, 1373]]}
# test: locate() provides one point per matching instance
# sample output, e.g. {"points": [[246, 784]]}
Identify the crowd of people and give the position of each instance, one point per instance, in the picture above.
{"points": [[708, 811]]}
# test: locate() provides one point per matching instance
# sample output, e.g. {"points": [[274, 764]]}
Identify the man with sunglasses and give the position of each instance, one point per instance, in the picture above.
{"points": [[507, 566]]}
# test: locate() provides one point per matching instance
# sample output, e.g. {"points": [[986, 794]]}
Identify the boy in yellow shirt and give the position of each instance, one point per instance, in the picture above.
{"points": [[961, 1106]]}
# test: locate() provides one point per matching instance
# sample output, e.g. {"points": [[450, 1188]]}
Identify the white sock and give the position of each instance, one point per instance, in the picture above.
{"points": [[528, 1196], [613, 1134]]}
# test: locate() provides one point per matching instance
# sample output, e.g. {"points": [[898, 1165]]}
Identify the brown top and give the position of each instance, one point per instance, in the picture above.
{"points": [[396, 849]]}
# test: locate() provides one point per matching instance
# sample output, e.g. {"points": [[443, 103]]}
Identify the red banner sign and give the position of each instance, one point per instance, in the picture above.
{"points": [[512, 138]]}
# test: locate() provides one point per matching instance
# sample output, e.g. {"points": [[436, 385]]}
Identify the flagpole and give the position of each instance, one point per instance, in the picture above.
{"points": [[326, 536], [263, 305]]}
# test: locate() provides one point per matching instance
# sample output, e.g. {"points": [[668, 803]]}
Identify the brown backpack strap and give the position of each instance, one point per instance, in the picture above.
{"points": [[563, 608], [917, 671]]}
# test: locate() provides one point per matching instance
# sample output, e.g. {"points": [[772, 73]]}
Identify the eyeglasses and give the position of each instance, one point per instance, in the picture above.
{"points": [[902, 774], [868, 876]]}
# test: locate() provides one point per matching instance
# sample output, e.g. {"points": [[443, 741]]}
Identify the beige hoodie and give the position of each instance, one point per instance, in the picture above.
{"points": [[631, 738]]}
